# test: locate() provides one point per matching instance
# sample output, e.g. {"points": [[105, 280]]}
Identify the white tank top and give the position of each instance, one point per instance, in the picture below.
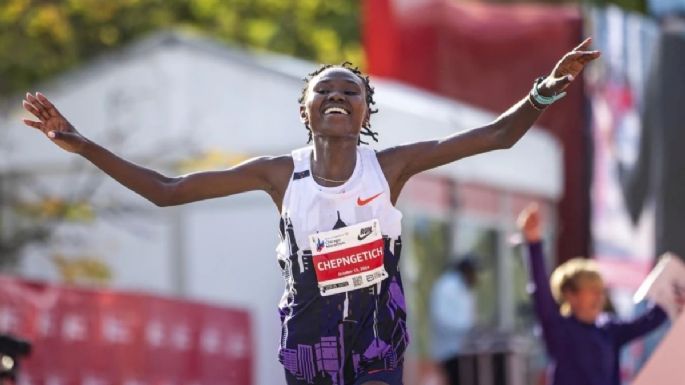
{"points": [[314, 208], [359, 325]]}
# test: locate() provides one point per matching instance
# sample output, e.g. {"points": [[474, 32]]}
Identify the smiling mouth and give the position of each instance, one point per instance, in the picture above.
{"points": [[335, 110]]}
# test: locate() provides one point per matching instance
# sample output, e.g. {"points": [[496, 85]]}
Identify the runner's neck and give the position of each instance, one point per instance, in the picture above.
{"points": [[333, 160]]}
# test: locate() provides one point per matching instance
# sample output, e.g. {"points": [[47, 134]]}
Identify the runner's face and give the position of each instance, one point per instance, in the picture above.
{"points": [[587, 303], [335, 104]]}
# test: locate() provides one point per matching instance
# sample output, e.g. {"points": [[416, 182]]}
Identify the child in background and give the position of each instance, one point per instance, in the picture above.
{"points": [[583, 342]]}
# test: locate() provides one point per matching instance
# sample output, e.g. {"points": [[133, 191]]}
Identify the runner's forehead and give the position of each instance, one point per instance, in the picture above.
{"points": [[337, 73]]}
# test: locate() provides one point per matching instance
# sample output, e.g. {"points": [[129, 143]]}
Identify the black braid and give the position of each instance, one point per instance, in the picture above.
{"points": [[369, 97]]}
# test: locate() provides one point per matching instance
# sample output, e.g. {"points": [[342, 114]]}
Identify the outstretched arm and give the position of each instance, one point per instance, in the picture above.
{"points": [[546, 308], [266, 173], [402, 162], [638, 327]]}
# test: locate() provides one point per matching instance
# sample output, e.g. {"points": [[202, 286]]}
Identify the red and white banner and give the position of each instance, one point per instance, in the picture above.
{"points": [[349, 258], [84, 337], [665, 285]]}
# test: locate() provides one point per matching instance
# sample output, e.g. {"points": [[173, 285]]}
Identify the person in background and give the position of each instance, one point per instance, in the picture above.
{"points": [[453, 314], [12, 350], [582, 341]]}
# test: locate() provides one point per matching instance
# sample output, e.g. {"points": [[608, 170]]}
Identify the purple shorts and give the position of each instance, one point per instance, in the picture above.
{"points": [[390, 377]]}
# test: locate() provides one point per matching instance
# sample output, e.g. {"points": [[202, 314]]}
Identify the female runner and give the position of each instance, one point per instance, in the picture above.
{"points": [[343, 312]]}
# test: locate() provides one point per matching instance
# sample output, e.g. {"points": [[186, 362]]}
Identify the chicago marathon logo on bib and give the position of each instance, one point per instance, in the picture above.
{"points": [[348, 258]]}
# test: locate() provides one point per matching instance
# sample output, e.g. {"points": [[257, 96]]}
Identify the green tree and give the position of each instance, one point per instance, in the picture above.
{"points": [[40, 38]]}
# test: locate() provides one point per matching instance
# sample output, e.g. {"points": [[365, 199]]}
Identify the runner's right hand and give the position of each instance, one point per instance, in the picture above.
{"points": [[51, 123]]}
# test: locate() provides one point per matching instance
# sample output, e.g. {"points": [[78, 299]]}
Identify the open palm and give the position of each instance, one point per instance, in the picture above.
{"points": [[52, 123], [568, 68], [529, 222]]}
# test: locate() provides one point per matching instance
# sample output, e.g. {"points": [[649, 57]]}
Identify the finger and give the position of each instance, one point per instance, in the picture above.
{"points": [[526, 213], [573, 55], [570, 57], [564, 82], [33, 123], [32, 109], [589, 56], [586, 53], [32, 99], [580, 57], [60, 135], [42, 114], [560, 83], [44, 109], [532, 212], [582, 46], [52, 110]]}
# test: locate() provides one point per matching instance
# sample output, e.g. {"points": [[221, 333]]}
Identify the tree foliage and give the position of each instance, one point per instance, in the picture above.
{"points": [[39, 38]]}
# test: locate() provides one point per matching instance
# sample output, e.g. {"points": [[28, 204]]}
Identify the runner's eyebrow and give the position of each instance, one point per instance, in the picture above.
{"points": [[326, 81]]}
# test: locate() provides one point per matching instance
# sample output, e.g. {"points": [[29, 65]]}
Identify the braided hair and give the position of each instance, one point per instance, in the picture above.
{"points": [[366, 128]]}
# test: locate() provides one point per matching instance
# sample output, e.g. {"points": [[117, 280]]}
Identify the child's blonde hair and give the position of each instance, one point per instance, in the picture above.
{"points": [[567, 277]]}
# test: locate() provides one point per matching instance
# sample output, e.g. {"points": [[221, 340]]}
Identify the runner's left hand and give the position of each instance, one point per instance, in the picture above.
{"points": [[568, 69]]}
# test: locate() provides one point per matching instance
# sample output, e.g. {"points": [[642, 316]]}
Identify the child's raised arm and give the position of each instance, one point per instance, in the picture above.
{"points": [[546, 308]]}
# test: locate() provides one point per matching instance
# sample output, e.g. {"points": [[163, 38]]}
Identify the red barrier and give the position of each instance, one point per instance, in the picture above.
{"points": [[89, 337]]}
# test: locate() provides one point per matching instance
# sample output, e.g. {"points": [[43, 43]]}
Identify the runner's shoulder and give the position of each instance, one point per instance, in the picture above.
{"points": [[277, 169], [283, 163]]}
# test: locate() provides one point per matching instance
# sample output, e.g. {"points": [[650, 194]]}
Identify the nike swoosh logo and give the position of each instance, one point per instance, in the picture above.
{"points": [[362, 202], [362, 237]]}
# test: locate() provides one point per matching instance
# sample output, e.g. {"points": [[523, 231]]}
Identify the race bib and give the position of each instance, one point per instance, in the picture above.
{"points": [[349, 258]]}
